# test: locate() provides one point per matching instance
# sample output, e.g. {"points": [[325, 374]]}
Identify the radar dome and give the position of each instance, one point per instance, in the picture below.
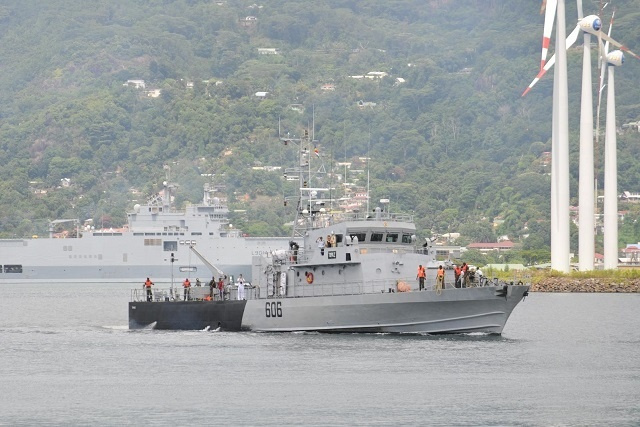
{"points": [[136, 208], [216, 200]]}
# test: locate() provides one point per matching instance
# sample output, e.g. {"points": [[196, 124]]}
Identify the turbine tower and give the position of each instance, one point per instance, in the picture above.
{"points": [[586, 195], [614, 59], [560, 152]]}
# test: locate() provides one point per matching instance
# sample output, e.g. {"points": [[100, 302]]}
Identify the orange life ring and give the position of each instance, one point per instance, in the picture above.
{"points": [[309, 277]]}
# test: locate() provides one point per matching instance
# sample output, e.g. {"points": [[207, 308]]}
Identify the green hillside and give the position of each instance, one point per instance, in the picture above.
{"points": [[450, 138]]}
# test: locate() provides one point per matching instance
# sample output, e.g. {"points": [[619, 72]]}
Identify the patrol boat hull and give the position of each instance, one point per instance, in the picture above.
{"points": [[482, 309]]}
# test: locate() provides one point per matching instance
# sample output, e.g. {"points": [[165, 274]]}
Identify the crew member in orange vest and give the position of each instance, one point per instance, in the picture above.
{"points": [[421, 276], [457, 272], [464, 281], [187, 289], [440, 278], [148, 284]]}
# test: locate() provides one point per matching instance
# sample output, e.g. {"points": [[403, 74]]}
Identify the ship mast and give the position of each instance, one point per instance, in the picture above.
{"points": [[310, 204]]}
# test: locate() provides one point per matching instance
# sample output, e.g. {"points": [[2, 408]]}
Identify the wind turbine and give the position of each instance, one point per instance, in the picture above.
{"points": [[588, 25], [560, 132]]}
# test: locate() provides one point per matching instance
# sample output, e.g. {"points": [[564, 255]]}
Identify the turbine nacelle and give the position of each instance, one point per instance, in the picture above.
{"points": [[615, 58], [590, 24]]}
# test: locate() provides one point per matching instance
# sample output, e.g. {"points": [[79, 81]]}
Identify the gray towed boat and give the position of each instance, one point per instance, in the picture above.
{"points": [[355, 272]]}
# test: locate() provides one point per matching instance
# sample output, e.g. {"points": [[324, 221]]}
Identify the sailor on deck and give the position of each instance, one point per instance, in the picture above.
{"points": [[212, 286], [148, 284], [421, 276], [187, 288], [320, 244], [240, 287], [440, 278], [465, 275], [221, 287]]}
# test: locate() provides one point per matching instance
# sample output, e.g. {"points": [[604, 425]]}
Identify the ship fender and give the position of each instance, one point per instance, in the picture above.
{"points": [[309, 277]]}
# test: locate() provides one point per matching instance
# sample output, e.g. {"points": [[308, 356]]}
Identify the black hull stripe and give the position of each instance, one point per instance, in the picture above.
{"points": [[189, 315]]}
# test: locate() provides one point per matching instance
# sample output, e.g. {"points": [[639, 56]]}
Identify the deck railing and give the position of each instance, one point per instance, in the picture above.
{"points": [[293, 291], [195, 293]]}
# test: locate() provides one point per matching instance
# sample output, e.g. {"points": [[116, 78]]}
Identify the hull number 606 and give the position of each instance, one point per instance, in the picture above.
{"points": [[273, 309]]}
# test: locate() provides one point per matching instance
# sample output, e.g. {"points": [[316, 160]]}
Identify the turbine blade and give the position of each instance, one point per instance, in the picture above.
{"points": [[549, 17], [602, 64], [571, 38], [580, 12], [601, 85], [540, 74], [570, 41], [601, 54], [606, 45], [619, 46]]}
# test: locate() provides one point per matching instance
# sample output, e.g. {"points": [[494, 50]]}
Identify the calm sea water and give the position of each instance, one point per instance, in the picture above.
{"points": [[67, 358]]}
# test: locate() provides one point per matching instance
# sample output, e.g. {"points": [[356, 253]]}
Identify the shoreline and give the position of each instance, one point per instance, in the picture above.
{"points": [[599, 285]]}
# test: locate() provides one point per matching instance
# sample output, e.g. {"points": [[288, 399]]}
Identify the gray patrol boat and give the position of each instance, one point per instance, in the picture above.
{"points": [[363, 280]]}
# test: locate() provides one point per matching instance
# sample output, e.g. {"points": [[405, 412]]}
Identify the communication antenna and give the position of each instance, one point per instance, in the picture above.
{"points": [[368, 160]]}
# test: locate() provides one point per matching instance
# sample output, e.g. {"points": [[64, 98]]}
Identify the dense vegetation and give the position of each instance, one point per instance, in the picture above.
{"points": [[454, 144]]}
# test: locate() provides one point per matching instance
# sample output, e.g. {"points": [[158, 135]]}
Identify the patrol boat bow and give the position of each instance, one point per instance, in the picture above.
{"points": [[360, 282]]}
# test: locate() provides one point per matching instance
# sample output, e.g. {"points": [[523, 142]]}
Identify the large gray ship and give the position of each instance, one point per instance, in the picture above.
{"points": [[155, 242], [363, 280]]}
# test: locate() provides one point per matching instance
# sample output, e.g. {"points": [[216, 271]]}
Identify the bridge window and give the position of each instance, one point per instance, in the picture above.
{"points": [[376, 237], [392, 237], [406, 238], [170, 246], [15, 268], [361, 236]]}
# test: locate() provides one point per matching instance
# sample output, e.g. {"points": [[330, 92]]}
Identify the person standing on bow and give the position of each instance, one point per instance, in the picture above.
{"points": [[240, 284], [457, 271], [440, 278], [212, 286], [221, 287], [148, 284], [465, 275], [187, 289], [422, 274], [480, 277]]}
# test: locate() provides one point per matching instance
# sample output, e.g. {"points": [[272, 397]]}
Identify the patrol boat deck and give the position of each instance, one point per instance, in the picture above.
{"points": [[361, 282]]}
